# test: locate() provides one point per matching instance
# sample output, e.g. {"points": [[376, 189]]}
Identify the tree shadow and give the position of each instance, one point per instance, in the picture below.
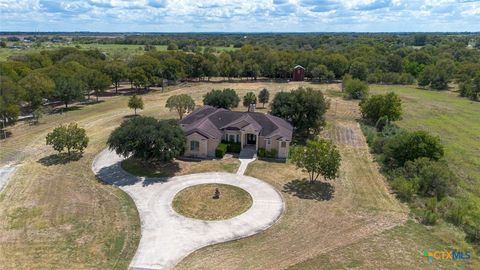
{"points": [[5, 134], [304, 189], [64, 110], [92, 102], [130, 116], [58, 159]]}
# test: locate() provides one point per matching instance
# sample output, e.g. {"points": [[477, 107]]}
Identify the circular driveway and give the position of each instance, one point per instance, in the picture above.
{"points": [[167, 236]]}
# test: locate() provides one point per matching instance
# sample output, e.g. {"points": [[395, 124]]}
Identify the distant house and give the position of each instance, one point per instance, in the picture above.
{"points": [[298, 73], [206, 127]]}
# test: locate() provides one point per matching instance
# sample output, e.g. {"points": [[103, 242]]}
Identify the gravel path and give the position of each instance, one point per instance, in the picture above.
{"points": [[167, 237]]}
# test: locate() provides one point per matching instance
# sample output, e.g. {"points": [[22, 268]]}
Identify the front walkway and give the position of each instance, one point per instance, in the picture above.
{"points": [[247, 155], [168, 237]]}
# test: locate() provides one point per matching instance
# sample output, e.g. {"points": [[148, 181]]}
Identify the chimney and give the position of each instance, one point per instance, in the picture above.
{"points": [[251, 107]]}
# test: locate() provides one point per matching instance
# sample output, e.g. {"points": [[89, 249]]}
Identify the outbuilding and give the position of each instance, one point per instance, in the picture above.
{"points": [[298, 73]]}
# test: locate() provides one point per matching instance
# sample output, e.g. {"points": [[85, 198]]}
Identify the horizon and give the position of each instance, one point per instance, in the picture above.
{"points": [[236, 16]]}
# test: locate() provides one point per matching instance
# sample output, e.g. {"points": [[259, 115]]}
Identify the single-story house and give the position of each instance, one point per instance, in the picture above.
{"points": [[206, 127]]}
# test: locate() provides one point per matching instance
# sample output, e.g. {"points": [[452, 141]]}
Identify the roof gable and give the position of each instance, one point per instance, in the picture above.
{"points": [[211, 122]]}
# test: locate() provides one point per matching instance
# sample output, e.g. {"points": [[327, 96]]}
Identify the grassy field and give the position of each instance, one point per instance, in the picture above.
{"points": [[197, 202], [60, 216], [55, 215], [455, 120], [121, 50], [353, 222]]}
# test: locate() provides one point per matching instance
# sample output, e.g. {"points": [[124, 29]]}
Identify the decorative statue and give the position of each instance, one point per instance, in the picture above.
{"points": [[216, 195]]}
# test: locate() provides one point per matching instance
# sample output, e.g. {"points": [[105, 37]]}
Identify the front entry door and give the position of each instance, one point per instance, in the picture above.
{"points": [[251, 139]]}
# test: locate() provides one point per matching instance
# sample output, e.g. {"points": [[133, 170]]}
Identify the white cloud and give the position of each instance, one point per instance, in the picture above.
{"points": [[240, 15]]}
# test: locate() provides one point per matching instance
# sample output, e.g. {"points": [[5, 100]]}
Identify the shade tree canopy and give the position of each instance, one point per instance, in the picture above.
{"points": [[226, 98], [249, 98], [37, 87], [135, 102], [304, 108], [148, 139], [264, 96], [182, 103], [318, 157], [70, 138]]}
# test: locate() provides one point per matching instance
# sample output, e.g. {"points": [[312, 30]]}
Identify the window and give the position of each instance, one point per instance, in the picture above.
{"points": [[284, 144], [238, 138], [194, 146], [231, 138]]}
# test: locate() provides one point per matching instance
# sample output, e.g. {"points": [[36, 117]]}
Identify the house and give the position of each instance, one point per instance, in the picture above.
{"points": [[298, 73], [206, 127]]}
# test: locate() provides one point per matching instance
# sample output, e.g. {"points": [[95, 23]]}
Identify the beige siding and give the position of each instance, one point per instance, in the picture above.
{"points": [[212, 145], [282, 152], [203, 143], [261, 142]]}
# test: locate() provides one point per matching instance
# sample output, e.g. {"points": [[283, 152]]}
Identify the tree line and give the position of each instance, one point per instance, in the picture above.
{"points": [[69, 74]]}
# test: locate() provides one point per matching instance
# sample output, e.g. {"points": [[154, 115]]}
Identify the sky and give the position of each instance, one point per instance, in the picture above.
{"points": [[241, 15]]}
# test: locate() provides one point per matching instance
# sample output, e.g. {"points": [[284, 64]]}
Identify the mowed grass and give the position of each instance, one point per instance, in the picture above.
{"points": [[352, 222], [198, 202], [454, 119], [179, 167], [61, 216], [399, 248], [122, 50], [328, 216], [55, 215]]}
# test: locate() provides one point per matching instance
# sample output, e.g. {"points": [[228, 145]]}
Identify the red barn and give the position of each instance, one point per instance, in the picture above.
{"points": [[298, 73]]}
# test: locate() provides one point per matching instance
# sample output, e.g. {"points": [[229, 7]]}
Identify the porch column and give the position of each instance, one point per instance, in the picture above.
{"points": [[241, 139], [256, 141]]}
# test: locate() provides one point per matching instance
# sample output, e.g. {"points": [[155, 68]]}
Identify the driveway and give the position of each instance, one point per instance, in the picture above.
{"points": [[5, 173], [167, 237]]}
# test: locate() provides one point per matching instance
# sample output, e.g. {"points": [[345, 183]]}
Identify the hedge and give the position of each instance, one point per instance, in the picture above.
{"points": [[267, 154], [221, 150], [233, 147]]}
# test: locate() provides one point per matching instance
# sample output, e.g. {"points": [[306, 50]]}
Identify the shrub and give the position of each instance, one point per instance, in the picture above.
{"points": [[370, 134], [404, 188], [408, 146], [435, 179], [271, 154], [428, 217], [381, 123], [356, 89], [221, 150], [261, 152], [234, 147], [378, 106], [267, 154], [457, 212]]}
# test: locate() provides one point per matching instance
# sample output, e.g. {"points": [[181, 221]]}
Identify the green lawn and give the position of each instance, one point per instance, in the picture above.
{"points": [[454, 119], [122, 49]]}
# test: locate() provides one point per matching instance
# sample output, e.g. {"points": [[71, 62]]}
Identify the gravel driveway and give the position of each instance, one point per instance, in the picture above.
{"points": [[167, 237]]}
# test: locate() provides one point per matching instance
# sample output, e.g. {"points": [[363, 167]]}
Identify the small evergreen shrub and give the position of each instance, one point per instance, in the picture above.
{"points": [[221, 150]]}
